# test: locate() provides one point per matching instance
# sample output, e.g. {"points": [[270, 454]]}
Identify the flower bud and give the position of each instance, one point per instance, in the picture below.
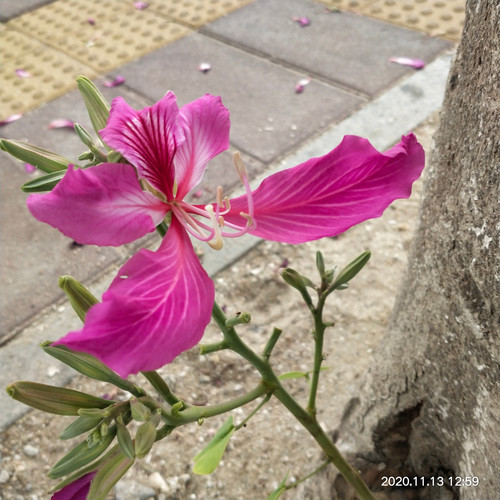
{"points": [[79, 426], [140, 412], [299, 282], [82, 454], [97, 106], [144, 439], [79, 297], [44, 183], [91, 367], [348, 273], [45, 160], [124, 438], [54, 399]]}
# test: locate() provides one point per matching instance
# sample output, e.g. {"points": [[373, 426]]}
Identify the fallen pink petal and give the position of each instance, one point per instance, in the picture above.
{"points": [[160, 302], [302, 21], [10, 119], [119, 80], [204, 67], [29, 168], [21, 73], [301, 85], [408, 61], [61, 123], [91, 21], [141, 5]]}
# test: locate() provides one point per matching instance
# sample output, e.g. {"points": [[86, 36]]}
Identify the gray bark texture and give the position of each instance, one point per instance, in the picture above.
{"points": [[430, 404]]}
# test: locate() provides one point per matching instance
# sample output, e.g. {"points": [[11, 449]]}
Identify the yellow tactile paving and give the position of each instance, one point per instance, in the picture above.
{"points": [[196, 13], [444, 18], [100, 34], [51, 73]]}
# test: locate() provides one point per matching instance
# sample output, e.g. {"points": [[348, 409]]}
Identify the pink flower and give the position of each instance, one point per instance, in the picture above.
{"points": [[160, 302], [77, 490]]}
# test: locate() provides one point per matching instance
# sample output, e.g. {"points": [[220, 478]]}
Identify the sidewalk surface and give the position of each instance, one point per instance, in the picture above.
{"points": [[257, 51]]}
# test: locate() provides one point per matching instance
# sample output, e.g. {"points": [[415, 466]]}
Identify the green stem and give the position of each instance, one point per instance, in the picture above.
{"points": [[161, 387], [307, 419], [305, 478], [268, 349], [254, 412], [209, 348], [319, 333]]}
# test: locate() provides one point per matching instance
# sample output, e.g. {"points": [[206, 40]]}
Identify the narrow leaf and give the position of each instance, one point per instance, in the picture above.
{"points": [[289, 375], [279, 490], [208, 459]]}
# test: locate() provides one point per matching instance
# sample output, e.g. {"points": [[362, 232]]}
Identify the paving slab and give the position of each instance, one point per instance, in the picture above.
{"points": [[11, 8], [340, 47], [268, 117]]}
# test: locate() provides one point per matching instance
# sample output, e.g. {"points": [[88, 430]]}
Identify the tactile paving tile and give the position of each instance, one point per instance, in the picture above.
{"points": [[444, 18], [196, 13], [51, 73], [102, 35]]}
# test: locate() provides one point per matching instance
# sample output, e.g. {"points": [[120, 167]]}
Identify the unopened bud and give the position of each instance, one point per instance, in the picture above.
{"points": [[140, 412], [348, 273], [79, 297], [124, 438], [97, 106], [79, 426], [299, 282], [52, 399], [144, 439], [44, 183], [44, 160], [91, 367]]}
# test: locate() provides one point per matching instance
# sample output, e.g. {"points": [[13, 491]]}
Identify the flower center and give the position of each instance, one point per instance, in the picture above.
{"points": [[213, 230]]}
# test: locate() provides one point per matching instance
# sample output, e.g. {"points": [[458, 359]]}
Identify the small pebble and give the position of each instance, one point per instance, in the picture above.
{"points": [[4, 476], [31, 451]]}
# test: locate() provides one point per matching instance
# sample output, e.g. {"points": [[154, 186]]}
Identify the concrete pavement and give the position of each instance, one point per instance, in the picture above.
{"points": [[257, 51]]}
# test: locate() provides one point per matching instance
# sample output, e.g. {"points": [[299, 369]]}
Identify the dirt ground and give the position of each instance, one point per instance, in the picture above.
{"points": [[273, 444]]}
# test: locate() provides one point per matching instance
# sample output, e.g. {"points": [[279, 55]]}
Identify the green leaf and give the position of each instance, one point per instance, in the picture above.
{"points": [[289, 375], [279, 490], [44, 183], [45, 160], [80, 456], [208, 459], [109, 473]]}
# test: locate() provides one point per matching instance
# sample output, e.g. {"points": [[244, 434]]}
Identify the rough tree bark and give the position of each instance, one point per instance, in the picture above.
{"points": [[430, 404]]}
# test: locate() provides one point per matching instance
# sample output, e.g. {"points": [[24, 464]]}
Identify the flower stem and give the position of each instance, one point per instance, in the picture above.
{"points": [[319, 332], [305, 417], [161, 387]]}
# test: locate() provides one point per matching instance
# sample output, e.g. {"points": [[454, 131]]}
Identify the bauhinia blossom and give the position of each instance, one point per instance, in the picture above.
{"points": [[77, 490], [161, 301]]}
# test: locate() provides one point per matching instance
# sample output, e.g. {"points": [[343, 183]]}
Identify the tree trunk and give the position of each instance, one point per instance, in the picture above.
{"points": [[430, 405]]}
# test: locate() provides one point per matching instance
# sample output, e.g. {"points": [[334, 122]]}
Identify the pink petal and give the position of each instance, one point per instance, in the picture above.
{"points": [[61, 123], [327, 195], [10, 119], [157, 307], [204, 67], [101, 205], [148, 139], [21, 73], [302, 21], [301, 85], [119, 80], [91, 21], [77, 490], [407, 61], [141, 5], [206, 127], [29, 168]]}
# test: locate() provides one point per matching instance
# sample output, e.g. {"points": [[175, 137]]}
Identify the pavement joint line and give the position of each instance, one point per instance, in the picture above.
{"points": [[397, 111]]}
